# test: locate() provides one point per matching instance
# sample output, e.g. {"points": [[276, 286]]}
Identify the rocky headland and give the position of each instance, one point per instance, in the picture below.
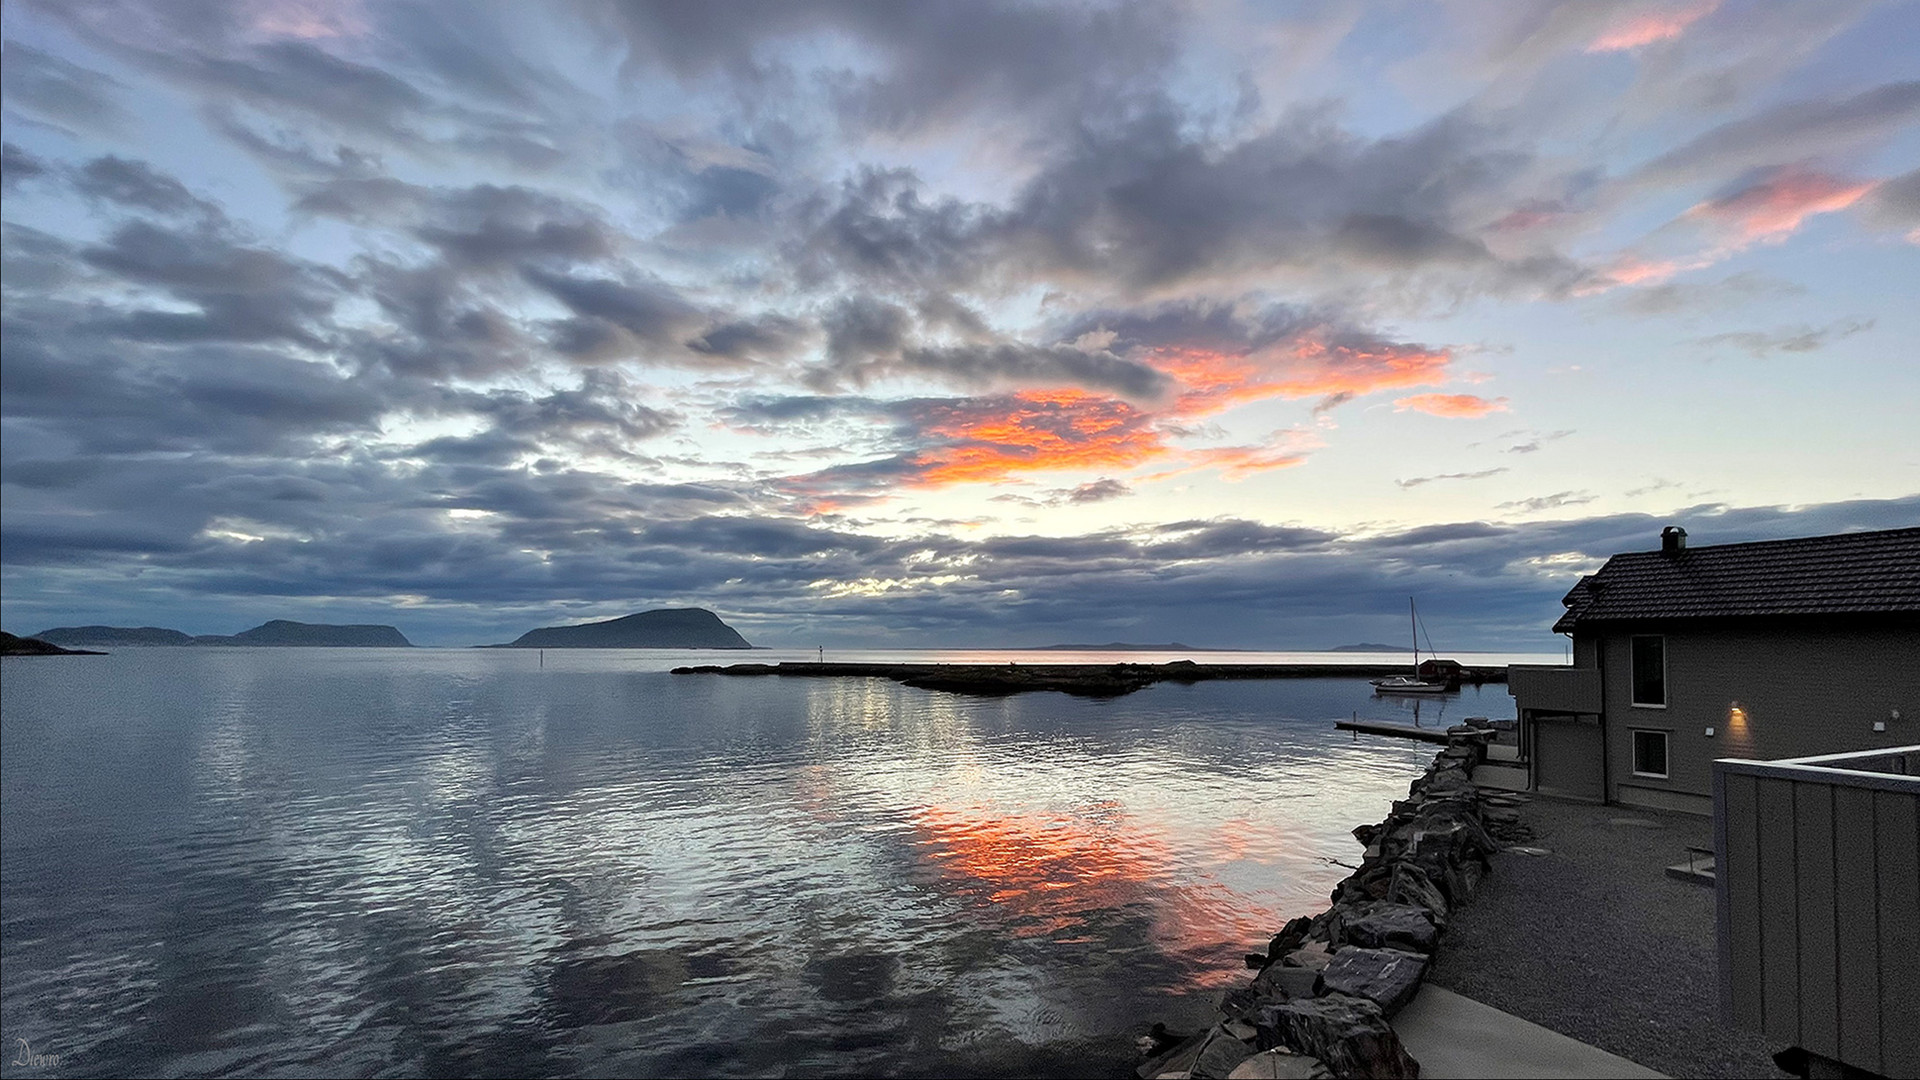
{"points": [[665, 628], [1329, 983], [14, 645]]}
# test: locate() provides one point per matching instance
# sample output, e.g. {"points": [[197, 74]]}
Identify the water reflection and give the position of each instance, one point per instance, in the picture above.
{"points": [[292, 861]]}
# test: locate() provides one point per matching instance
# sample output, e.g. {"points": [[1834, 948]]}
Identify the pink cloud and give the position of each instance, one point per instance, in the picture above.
{"points": [[309, 19], [1642, 27], [1776, 206], [1457, 406]]}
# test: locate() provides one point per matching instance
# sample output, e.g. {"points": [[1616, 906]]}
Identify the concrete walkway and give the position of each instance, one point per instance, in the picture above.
{"points": [[1452, 1036]]}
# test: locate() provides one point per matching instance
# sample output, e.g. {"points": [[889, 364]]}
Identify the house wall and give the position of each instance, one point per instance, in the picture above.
{"points": [[1566, 755], [1804, 690]]}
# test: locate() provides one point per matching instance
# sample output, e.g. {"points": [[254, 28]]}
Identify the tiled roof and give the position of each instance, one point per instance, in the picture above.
{"points": [[1846, 574]]}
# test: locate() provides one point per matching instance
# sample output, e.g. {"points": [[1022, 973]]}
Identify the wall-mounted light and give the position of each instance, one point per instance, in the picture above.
{"points": [[1736, 719]]}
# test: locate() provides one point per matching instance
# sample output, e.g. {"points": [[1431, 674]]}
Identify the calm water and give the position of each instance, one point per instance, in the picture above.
{"points": [[286, 861]]}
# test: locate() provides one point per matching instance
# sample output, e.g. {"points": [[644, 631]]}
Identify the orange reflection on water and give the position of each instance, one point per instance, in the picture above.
{"points": [[1055, 876]]}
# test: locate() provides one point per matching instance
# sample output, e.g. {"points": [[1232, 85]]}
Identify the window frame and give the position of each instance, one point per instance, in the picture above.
{"points": [[1633, 672], [1666, 752]]}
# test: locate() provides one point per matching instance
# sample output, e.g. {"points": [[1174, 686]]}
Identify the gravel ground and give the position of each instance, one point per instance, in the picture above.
{"points": [[1596, 942]]}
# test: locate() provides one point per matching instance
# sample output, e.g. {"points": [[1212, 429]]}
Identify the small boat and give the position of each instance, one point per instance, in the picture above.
{"points": [[1402, 684], [1410, 684]]}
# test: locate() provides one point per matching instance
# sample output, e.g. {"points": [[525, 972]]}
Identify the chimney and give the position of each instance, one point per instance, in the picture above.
{"points": [[1673, 540]]}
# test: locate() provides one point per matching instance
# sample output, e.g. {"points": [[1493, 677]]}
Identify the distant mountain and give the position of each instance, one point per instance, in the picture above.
{"points": [[279, 632], [284, 632], [1368, 646], [1124, 646], [12, 645], [666, 628], [114, 636]]}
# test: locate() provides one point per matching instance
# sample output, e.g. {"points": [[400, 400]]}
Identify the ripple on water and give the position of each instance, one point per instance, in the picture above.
{"points": [[277, 861]]}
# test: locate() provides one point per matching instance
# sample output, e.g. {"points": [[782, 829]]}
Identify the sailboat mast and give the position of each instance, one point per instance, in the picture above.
{"points": [[1413, 625]]}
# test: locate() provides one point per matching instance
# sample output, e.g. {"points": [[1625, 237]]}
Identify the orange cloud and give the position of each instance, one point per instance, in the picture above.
{"points": [[1214, 381], [993, 438], [1775, 207], [1642, 28], [989, 439], [1458, 406]]}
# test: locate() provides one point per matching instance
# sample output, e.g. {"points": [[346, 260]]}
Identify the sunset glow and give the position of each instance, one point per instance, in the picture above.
{"points": [[829, 317], [1643, 27]]}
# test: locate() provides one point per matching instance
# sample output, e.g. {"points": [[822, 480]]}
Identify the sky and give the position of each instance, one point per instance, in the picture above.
{"points": [[917, 324]]}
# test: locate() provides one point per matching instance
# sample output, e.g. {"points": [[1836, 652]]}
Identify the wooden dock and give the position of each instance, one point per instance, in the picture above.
{"points": [[1435, 735], [1398, 731]]}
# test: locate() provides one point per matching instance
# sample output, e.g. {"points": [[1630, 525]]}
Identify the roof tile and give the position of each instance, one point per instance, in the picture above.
{"points": [[1844, 574]]}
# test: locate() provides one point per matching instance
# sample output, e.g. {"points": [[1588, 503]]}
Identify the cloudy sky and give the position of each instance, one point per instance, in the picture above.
{"points": [[942, 324]]}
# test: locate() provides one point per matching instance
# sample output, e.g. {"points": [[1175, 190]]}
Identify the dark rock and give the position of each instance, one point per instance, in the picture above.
{"points": [[1366, 833], [1220, 1055], [1349, 1034], [1313, 957], [1280, 1065], [1412, 886], [1176, 1061], [1283, 983], [1290, 937], [1257, 960], [1389, 925], [1387, 977]]}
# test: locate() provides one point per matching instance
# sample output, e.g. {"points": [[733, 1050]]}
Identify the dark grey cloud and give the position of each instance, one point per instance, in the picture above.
{"points": [[490, 226], [1147, 204], [60, 90], [140, 186], [1482, 474], [757, 337], [243, 292], [1093, 491], [1557, 500], [650, 312], [1788, 132], [1677, 297], [224, 398], [862, 329], [934, 62], [1894, 204], [1792, 339], [17, 166]]}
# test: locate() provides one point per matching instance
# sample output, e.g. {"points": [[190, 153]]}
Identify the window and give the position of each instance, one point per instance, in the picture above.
{"points": [[1650, 671], [1650, 753]]}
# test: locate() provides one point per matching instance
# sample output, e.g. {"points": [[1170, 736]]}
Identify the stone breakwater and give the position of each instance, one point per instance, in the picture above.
{"points": [[1083, 680], [1328, 984]]}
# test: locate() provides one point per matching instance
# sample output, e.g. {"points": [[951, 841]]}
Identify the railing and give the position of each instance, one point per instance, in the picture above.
{"points": [[1817, 877], [1554, 688]]}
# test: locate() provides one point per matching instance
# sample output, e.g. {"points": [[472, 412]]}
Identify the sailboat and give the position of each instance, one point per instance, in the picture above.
{"points": [[1410, 684]]}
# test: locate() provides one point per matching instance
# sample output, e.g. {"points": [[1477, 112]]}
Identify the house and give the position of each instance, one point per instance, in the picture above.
{"points": [[1760, 651]]}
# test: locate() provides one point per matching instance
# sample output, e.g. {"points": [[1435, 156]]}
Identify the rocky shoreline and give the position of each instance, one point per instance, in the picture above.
{"points": [[1082, 680], [1328, 984]]}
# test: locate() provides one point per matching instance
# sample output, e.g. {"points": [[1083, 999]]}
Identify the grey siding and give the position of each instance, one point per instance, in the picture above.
{"points": [[1804, 692], [1550, 688], [1566, 755], [1819, 901]]}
